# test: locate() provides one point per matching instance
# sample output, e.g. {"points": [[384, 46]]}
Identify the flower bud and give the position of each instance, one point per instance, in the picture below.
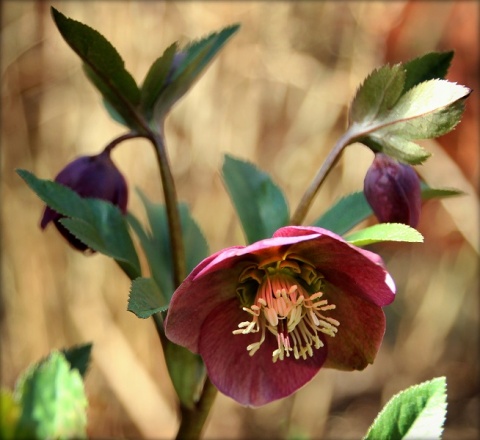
{"points": [[393, 191], [92, 177]]}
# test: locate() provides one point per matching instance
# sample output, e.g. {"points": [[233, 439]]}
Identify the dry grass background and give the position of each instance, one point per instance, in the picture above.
{"points": [[277, 95]]}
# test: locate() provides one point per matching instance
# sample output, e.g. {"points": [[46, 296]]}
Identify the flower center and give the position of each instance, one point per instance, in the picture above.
{"points": [[284, 306]]}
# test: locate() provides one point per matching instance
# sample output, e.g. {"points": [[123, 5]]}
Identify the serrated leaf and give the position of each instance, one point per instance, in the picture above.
{"points": [[398, 147], [433, 65], [384, 232], [58, 197], [429, 109], [259, 202], [103, 66], [388, 121], [155, 79], [97, 223], [78, 357], [106, 231], [439, 193], [145, 298], [415, 413], [197, 56], [53, 401], [378, 93]]}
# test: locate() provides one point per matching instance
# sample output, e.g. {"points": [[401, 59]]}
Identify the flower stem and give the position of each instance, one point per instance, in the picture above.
{"points": [[124, 137], [193, 420], [300, 213], [171, 204]]}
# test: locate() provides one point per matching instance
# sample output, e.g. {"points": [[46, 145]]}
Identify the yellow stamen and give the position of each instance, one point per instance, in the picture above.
{"points": [[286, 309]]}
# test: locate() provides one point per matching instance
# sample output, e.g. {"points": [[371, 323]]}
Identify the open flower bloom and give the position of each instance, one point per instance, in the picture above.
{"points": [[89, 176], [266, 317]]}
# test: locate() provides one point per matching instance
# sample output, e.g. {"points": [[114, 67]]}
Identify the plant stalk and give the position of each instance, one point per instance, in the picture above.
{"points": [[173, 213], [307, 199], [193, 420]]}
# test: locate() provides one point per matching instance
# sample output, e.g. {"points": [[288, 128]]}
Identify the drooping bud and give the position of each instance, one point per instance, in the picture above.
{"points": [[392, 189], [92, 177]]}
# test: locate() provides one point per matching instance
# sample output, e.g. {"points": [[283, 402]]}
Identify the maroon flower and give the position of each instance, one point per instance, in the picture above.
{"points": [[266, 317], [89, 176], [393, 191]]}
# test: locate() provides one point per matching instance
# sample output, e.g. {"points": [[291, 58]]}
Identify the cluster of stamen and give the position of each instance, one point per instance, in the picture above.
{"points": [[284, 307]]}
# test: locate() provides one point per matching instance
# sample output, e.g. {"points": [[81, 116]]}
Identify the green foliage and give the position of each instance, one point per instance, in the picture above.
{"points": [[187, 372], [97, 223], [78, 357], [378, 94], [384, 232], [346, 213], [198, 55], [52, 399], [399, 104], [433, 65], [259, 202], [146, 298], [155, 81], [156, 245], [415, 413], [104, 67]]}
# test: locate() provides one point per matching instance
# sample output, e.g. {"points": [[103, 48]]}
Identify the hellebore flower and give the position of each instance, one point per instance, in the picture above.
{"points": [[392, 189], [89, 176], [266, 317]]}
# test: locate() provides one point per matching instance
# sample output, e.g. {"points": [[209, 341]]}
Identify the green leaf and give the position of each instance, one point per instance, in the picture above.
{"points": [[259, 202], [352, 209], [384, 232], [415, 413], [146, 298], [79, 357], [103, 66], [196, 246], [439, 193], [346, 213], [106, 231], [197, 56], [433, 65], [155, 81], [58, 197], [187, 372], [156, 243], [388, 121], [53, 401], [378, 93], [97, 223]]}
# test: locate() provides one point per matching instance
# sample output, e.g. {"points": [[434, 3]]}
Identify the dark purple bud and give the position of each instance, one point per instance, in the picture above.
{"points": [[92, 177], [393, 191]]}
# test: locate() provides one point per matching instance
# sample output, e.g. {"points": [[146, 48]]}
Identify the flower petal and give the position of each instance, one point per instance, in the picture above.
{"points": [[360, 333], [197, 296], [354, 270], [250, 380]]}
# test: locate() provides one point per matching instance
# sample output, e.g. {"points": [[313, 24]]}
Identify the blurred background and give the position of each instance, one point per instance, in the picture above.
{"points": [[277, 95]]}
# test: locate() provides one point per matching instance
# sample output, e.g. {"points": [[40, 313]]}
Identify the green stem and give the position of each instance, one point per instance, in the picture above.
{"points": [[171, 204], [300, 213], [193, 420]]}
